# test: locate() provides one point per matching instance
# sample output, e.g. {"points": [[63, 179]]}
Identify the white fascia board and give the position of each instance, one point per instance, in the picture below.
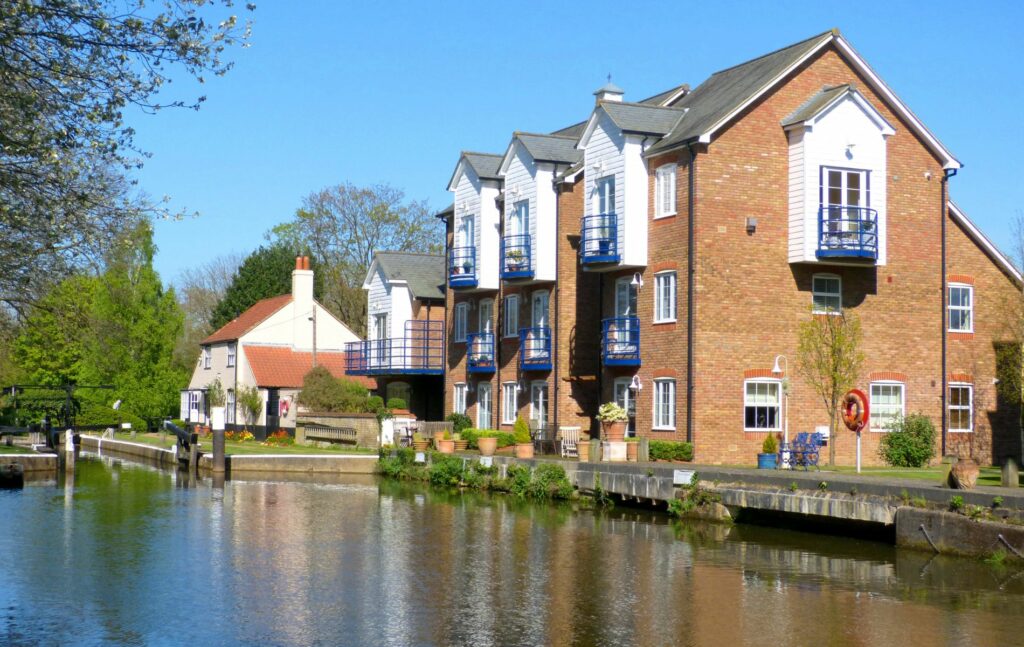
{"points": [[678, 94], [369, 274], [589, 129], [948, 160], [457, 175], [507, 158], [883, 125], [983, 241]]}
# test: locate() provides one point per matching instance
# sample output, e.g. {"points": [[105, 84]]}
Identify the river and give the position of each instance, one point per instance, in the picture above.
{"points": [[125, 554]]}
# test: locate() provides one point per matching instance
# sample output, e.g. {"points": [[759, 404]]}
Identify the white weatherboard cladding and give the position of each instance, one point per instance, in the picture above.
{"points": [[603, 156], [475, 196], [633, 234], [827, 142], [401, 308], [534, 183], [378, 299]]}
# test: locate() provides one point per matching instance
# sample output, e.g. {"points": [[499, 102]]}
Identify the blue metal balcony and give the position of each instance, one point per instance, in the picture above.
{"points": [[600, 241], [620, 341], [535, 349], [462, 268], [847, 232], [516, 261], [419, 352], [480, 352]]}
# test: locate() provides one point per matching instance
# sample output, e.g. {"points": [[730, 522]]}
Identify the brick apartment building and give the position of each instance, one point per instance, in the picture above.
{"points": [[663, 254]]}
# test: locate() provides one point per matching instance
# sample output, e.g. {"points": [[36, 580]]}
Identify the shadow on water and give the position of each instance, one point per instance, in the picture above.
{"points": [[355, 560]]}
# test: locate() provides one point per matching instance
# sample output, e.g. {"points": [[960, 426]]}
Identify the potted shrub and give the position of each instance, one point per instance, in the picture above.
{"points": [[445, 444], [524, 444], [583, 447], [613, 422], [460, 443], [632, 447], [487, 441], [768, 457], [515, 259], [419, 443]]}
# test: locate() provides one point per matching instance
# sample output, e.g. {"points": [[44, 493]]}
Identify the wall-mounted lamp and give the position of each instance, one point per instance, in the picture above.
{"points": [[598, 167], [634, 384], [520, 386], [751, 224], [638, 281]]}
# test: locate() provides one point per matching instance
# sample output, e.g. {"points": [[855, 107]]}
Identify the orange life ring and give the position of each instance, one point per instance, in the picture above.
{"points": [[855, 410]]}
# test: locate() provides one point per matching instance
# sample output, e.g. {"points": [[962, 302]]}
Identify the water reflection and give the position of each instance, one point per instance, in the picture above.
{"points": [[127, 554]]}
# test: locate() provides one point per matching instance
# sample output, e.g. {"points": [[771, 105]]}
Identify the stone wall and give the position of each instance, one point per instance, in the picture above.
{"points": [[365, 424]]}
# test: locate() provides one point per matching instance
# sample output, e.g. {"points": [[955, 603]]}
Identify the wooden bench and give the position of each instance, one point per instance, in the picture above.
{"points": [[323, 433]]}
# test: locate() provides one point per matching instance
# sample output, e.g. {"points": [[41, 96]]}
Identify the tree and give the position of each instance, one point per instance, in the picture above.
{"points": [[265, 273], [199, 290], [50, 346], [321, 391], [345, 225], [69, 72], [1010, 351], [829, 358], [251, 403]]}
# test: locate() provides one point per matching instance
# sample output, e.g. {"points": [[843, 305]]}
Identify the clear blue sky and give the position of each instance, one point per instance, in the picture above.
{"points": [[371, 92]]}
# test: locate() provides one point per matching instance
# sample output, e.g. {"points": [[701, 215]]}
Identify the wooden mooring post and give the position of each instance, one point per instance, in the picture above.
{"points": [[193, 453]]}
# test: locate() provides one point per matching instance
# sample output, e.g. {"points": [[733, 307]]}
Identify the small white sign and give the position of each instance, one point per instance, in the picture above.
{"points": [[487, 461], [126, 425], [683, 477], [823, 430], [421, 457]]}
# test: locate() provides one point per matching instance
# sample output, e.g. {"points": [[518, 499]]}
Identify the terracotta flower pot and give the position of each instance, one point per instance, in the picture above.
{"points": [[583, 450], [524, 450], [420, 445], [631, 451], [613, 432], [966, 473], [487, 446], [461, 445], [446, 446]]}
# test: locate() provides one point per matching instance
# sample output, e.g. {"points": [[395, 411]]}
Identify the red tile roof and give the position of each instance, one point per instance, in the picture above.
{"points": [[254, 316], [279, 366]]}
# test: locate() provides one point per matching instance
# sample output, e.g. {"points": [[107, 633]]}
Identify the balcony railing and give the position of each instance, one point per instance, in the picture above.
{"points": [[620, 341], [419, 352], [462, 267], [847, 232], [516, 261], [535, 349], [480, 352], [600, 242]]}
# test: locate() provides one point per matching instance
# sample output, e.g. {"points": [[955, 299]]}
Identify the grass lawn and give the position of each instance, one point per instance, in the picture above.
{"points": [[15, 449], [988, 475], [249, 447]]}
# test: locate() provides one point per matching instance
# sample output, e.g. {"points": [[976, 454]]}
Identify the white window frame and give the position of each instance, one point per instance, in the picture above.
{"points": [[229, 409], [828, 295], [778, 405], [509, 403], [231, 355], [874, 406], [665, 191], [207, 358], [483, 421], [969, 308], [664, 420], [460, 323], [485, 316], [665, 312], [459, 398], [625, 397], [844, 187], [510, 314], [969, 408], [604, 191], [538, 386]]}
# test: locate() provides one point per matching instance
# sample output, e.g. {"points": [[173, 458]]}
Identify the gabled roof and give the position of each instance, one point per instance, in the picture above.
{"points": [[829, 96], [484, 165], [254, 316], [1002, 260], [550, 148], [424, 273], [724, 95], [282, 367], [634, 118]]}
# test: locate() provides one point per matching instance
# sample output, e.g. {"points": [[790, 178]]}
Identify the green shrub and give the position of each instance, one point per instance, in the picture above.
{"points": [[770, 444], [505, 439], [521, 431], [550, 482], [95, 414], [667, 450], [460, 422], [215, 396], [374, 404], [321, 391], [956, 503], [518, 480], [909, 443], [445, 470], [397, 403]]}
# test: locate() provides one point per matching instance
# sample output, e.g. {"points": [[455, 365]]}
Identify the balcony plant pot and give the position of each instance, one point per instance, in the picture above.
{"points": [[446, 446], [613, 432], [766, 461], [487, 446], [524, 450]]}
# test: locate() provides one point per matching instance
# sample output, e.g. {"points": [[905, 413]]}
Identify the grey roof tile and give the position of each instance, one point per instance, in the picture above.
{"points": [[637, 118], [816, 104], [484, 164], [423, 272], [550, 148]]}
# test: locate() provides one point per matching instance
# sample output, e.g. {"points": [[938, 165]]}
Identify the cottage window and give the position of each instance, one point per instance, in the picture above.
{"points": [[762, 401], [459, 403], [206, 357], [665, 191], [961, 407], [461, 323], [827, 290], [511, 315], [664, 404], [664, 297], [961, 308], [887, 404], [509, 404], [231, 355], [483, 405]]}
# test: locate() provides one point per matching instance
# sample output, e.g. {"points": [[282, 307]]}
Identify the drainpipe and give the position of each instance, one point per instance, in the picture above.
{"points": [[950, 172], [690, 289], [557, 291]]}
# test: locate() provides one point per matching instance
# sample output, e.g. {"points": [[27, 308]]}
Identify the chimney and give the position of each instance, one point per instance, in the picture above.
{"points": [[609, 92], [302, 284]]}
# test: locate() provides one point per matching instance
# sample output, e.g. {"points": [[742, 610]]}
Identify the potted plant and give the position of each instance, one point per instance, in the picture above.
{"points": [[460, 443], [768, 457], [445, 444], [524, 444], [515, 259], [467, 267], [419, 443], [583, 447], [487, 441], [632, 446], [613, 422]]}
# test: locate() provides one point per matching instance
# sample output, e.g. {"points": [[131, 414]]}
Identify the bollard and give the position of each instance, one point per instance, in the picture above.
{"points": [[193, 453], [1010, 473], [643, 452], [218, 451]]}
